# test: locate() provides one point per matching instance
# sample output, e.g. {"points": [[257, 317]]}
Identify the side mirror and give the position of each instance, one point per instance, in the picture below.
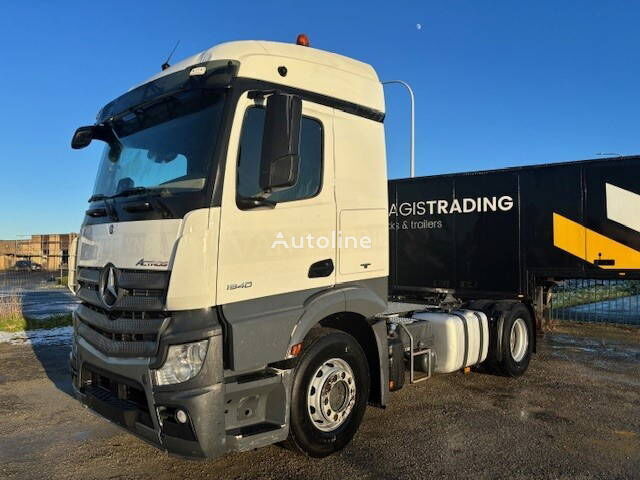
{"points": [[82, 138], [85, 135], [280, 159]]}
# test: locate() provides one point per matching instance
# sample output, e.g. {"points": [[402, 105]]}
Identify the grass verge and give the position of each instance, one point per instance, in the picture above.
{"points": [[12, 319], [17, 323]]}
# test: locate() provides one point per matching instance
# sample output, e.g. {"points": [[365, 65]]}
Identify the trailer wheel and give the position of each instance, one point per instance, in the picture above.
{"points": [[517, 338], [329, 393]]}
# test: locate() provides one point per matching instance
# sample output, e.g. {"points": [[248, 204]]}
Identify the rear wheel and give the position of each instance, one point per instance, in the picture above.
{"points": [[516, 344], [329, 395]]}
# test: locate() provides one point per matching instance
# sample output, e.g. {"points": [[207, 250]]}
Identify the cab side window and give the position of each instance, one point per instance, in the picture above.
{"points": [[310, 172]]}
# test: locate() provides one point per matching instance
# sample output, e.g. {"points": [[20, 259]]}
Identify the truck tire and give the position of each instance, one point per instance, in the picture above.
{"points": [[517, 341], [329, 393]]}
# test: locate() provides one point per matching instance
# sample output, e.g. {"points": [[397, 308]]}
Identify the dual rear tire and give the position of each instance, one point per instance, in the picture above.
{"points": [[512, 342]]}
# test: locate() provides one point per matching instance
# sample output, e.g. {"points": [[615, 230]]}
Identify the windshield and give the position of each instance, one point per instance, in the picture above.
{"points": [[166, 145]]}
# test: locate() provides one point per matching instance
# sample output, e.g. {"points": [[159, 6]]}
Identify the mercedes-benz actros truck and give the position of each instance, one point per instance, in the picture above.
{"points": [[234, 270]]}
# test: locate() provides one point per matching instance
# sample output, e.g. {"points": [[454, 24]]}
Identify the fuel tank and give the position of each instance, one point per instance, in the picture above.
{"points": [[458, 339]]}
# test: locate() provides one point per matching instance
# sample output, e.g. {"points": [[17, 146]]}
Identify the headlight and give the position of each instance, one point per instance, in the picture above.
{"points": [[183, 363]]}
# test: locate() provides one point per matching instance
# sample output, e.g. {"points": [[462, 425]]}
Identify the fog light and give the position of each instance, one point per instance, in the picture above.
{"points": [[181, 416], [183, 363]]}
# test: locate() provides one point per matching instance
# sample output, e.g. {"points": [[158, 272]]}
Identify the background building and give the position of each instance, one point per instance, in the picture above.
{"points": [[51, 251]]}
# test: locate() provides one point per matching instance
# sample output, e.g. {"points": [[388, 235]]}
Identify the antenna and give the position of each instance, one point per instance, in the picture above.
{"points": [[166, 65]]}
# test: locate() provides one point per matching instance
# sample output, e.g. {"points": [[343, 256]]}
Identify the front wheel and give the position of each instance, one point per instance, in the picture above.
{"points": [[329, 395]]}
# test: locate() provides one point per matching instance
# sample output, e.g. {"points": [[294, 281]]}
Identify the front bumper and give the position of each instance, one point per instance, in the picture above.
{"points": [[121, 390], [227, 411]]}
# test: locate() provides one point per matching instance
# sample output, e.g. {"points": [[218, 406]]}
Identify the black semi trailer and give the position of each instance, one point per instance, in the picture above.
{"points": [[510, 233]]}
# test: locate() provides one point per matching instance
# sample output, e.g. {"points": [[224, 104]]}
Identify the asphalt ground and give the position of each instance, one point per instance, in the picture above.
{"points": [[575, 414]]}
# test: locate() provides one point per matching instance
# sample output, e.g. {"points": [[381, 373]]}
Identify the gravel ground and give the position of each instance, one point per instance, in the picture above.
{"points": [[575, 414]]}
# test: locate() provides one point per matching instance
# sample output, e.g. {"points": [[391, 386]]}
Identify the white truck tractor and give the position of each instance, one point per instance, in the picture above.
{"points": [[233, 263]]}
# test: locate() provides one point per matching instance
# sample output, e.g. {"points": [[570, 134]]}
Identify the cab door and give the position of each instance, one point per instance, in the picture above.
{"points": [[267, 251]]}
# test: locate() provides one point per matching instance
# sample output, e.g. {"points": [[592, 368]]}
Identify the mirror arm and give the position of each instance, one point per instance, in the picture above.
{"points": [[105, 133], [254, 94]]}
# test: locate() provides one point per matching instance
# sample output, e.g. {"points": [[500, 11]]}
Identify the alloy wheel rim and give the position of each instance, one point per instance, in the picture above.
{"points": [[331, 395], [519, 340]]}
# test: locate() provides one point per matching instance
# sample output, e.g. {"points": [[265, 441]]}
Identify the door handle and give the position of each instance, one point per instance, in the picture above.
{"points": [[323, 268]]}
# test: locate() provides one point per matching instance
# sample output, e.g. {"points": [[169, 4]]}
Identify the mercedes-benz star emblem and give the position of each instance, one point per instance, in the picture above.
{"points": [[109, 286]]}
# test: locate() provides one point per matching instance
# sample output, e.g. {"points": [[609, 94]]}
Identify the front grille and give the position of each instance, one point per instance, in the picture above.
{"points": [[132, 334], [129, 279], [125, 337], [133, 315], [131, 326], [138, 290]]}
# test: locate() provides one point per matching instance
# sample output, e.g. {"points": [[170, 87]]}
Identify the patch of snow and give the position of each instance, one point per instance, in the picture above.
{"points": [[52, 336]]}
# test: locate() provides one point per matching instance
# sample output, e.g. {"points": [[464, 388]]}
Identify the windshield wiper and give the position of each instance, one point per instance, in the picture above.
{"points": [[124, 193], [101, 212], [96, 197], [128, 192]]}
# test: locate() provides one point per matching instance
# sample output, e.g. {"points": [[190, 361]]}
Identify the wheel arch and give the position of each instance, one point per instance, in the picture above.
{"points": [[352, 309], [371, 335]]}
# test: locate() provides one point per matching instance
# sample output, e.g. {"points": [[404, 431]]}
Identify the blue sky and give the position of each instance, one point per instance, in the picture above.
{"points": [[497, 83]]}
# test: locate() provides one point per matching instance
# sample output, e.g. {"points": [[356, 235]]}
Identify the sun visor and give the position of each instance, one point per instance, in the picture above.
{"points": [[213, 74]]}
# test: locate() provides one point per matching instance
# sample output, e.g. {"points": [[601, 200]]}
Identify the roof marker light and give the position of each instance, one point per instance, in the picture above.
{"points": [[303, 40]]}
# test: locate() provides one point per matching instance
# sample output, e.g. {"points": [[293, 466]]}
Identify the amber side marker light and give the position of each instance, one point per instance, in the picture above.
{"points": [[303, 40], [296, 349]]}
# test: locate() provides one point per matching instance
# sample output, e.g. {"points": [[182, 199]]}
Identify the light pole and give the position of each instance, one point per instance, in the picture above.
{"points": [[413, 122]]}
